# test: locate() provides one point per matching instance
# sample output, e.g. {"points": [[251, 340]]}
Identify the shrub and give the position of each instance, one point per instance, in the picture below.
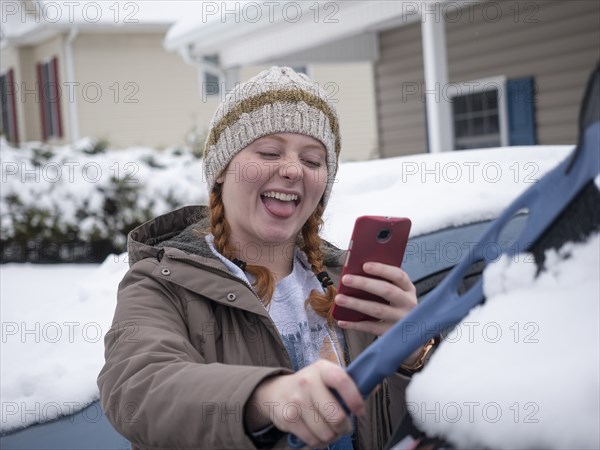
{"points": [[78, 203]]}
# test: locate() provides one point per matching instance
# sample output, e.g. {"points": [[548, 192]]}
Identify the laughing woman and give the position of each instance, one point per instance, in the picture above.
{"points": [[223, 335]]}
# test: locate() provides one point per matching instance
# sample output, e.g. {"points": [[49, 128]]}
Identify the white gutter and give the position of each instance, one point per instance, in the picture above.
{"points": [[69, 67]]}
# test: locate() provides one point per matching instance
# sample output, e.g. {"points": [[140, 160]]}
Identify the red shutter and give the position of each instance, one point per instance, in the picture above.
{"points": [[10, 99], [40, 81], [56, 96]]}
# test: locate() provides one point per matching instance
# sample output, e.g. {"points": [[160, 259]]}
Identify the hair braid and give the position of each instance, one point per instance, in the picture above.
{"points": [[219, 226], [321, 302]]}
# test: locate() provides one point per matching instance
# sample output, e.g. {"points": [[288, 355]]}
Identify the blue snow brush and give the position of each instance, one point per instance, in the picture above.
{"points": [[563, 205]]}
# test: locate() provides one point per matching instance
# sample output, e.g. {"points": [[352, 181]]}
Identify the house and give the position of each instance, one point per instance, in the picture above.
{"points": [[446, 75], [97, 69]]}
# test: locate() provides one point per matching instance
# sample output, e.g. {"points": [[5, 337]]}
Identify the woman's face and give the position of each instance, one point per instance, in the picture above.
{"points": [[271, 187]]}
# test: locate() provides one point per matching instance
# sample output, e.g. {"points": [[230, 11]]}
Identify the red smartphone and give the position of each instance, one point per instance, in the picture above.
{"points": [[377, 239]]}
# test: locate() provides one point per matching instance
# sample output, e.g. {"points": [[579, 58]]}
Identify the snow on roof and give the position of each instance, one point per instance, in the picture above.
{"points": [[208, 14], [33, 21], [250, 32]]}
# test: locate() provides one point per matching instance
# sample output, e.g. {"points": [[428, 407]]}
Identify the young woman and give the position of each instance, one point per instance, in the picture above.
{"points": [[223, 335]]}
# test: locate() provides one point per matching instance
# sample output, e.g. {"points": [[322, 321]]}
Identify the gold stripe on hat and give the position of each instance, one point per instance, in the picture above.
{"points": [[278, 96]]}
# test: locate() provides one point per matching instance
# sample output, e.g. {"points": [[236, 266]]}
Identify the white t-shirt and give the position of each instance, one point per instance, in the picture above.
{"points": [[306, 335]]}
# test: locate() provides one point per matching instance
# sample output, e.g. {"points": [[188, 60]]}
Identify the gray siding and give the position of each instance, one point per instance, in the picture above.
{"points": [[556, 42], [398, 73]]}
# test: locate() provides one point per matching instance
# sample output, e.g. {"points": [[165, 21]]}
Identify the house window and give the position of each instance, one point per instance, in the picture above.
{"points": [[300, 69], [479, 114], [47, 74], [211, 84], [8, 113]]}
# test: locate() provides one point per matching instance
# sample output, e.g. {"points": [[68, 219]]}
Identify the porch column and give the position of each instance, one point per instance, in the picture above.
{"points": [[435, 60]]}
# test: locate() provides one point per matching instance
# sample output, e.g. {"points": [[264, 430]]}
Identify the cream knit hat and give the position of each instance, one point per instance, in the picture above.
{"points": [[277, 100]]}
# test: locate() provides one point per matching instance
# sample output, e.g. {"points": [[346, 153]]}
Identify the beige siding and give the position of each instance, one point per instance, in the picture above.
{"points": [[29, 104], [558, 43], [133, 92], [351, 85], [9, 60]]}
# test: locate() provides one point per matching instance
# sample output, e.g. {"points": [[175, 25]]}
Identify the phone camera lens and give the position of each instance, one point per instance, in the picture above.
{"points": [[384, 235]]}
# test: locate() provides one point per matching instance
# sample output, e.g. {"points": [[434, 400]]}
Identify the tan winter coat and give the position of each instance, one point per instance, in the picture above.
{"points": [[189, 344]]}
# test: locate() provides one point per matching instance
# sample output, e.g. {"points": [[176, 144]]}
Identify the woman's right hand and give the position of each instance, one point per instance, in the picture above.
{"points": [[302, 404]]}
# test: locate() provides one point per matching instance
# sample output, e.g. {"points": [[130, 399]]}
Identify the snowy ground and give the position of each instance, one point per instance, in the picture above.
{"points": [[54, 317]]}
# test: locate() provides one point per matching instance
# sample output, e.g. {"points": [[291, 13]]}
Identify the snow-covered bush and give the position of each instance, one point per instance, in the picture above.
{"points": [[74, 203]]}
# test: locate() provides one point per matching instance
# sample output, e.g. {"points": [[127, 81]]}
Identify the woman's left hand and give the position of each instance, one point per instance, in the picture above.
{"points": [[395, 287]]}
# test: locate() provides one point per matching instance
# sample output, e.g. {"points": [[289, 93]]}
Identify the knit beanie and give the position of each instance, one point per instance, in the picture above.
{"points": [[278, 100]]}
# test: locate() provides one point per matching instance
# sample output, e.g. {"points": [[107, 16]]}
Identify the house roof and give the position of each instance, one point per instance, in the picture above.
{"points": [[30, 22], [258, 32]]}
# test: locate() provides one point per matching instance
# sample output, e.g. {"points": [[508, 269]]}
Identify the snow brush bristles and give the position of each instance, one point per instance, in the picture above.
{"points": [[575, 224], [562, 206], [581, 217]]}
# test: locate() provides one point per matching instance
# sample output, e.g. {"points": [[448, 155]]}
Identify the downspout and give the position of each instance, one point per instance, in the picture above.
{"points": [[72, 101], [186, 54], [202, 65], [195, 60]]}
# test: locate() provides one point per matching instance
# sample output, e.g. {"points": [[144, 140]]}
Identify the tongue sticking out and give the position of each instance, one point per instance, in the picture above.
{"points": [[279, 208]]}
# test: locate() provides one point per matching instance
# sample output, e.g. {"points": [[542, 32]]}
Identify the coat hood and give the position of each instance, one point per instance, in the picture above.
{"points": [[185, 229]]}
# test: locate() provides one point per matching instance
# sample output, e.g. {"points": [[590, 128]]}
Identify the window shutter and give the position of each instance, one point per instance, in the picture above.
{"points": [[521, 111], [13, 107], [56, 96], [43, 118]]}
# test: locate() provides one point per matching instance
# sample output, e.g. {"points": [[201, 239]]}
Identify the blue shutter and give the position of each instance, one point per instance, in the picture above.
{"points": [[521, 111]]}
